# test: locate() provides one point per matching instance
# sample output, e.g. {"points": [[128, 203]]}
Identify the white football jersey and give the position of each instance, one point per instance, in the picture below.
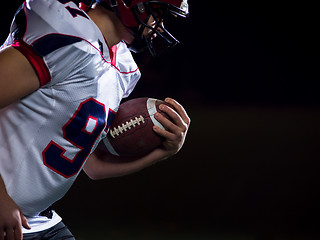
{"points": [[46, 137]]}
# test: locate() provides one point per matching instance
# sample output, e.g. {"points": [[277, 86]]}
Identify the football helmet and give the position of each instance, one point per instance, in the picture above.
{"points": [[135, 14]]}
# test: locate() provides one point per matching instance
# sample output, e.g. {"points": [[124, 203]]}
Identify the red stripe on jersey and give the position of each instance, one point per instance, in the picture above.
{"points": [[113, 54], [35, 60], [84, 7]]}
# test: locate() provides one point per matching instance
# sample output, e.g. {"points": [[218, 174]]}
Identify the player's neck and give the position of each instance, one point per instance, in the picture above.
{"points": [[110, 25]]}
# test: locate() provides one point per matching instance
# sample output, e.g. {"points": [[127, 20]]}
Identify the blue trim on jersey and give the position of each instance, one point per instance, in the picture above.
{"points": [[20, 20], [52, 42]]}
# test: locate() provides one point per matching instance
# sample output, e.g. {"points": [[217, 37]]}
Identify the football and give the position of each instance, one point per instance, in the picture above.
{"points": [[131, 133]]}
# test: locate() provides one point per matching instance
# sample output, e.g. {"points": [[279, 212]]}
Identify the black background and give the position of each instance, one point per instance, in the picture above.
{"points": [[247, 73]]}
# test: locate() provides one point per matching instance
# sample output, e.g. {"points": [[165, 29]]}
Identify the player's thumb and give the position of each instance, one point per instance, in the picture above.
{"points": [[24, 221]]}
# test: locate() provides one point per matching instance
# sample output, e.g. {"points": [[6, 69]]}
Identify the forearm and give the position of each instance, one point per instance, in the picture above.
{"points": [[11, 217], [102, 165], [3, 190], [4, 197]]}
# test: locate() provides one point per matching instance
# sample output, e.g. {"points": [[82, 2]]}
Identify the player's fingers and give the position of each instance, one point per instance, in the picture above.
{"points": [[18, 233], [1, 234], [166, 123], [24, 221], [10, 234], [177, 123], [180, 110], [163, 133]]}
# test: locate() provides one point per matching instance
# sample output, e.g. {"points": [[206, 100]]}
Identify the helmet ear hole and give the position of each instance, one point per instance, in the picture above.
{"points": [[141, 7]]}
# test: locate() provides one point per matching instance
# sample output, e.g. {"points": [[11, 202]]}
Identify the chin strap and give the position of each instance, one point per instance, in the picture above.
{"points": [[114, 7], [113, 3]]}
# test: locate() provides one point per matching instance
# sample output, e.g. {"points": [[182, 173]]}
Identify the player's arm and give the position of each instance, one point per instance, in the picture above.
{"points": [[103, 165], [17, 77], [17, 80], [11, 217]]}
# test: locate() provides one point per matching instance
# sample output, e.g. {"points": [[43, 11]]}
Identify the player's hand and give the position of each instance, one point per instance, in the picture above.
{"points": [[176, 130], [105, 165], [11, 219]]}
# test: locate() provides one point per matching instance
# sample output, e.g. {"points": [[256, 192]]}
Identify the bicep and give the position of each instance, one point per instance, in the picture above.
{"points": [[17, 76]]}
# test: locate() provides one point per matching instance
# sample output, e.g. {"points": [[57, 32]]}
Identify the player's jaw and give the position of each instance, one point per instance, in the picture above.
{"points": [[152, 23]]}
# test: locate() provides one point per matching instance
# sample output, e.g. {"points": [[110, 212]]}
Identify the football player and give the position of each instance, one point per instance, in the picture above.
{"points": [[63, 72]]}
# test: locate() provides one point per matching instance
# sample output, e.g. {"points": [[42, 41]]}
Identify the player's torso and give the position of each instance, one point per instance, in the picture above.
{"points": [[47, 136]]}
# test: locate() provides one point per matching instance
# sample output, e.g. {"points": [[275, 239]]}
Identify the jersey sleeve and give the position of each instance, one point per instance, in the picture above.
{"points": [[35, 60], [15, 39], [42, 28], [130, 71]]}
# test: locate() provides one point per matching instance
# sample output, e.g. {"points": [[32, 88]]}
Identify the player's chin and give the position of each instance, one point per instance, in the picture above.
{"points": [[149, 34], [153, 36]]}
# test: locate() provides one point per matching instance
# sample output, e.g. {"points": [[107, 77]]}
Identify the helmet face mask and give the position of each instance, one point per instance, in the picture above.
{"points": [[158, 39], [135, 15]]}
